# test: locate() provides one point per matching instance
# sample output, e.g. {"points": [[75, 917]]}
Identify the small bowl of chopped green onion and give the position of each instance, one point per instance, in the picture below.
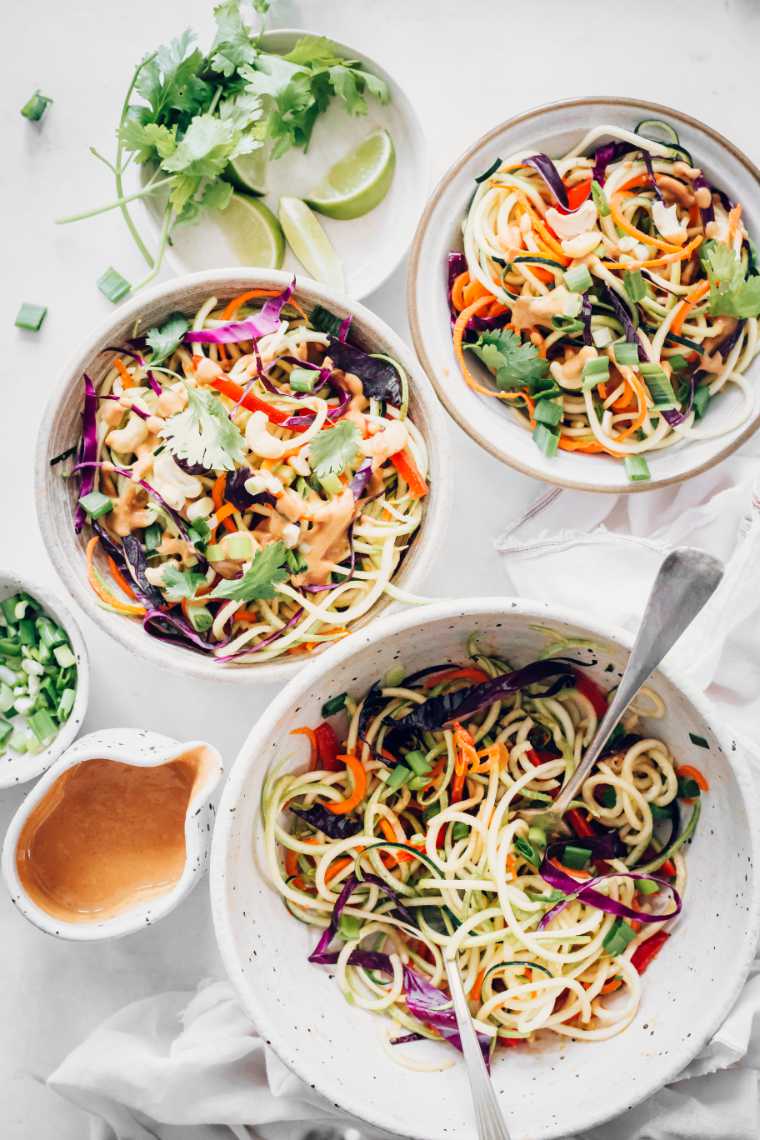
{"points": [[44, 679]]}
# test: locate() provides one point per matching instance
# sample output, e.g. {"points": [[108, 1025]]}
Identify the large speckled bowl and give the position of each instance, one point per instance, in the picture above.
{"points": [[60, 428], [338, 1049]]}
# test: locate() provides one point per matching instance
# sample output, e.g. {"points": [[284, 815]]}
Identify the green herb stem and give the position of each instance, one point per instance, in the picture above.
{"points": [[119, 204]]}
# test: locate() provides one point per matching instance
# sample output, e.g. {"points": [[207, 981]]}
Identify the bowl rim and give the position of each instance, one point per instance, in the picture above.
{"points": [[456, 610], [661, 110], [418, 137], [59, 609], [411, 571]]}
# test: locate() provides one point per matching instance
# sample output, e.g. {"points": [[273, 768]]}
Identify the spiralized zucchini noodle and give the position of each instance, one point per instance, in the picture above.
{"points": [[408, 839], [612, 293], [250, 478]]}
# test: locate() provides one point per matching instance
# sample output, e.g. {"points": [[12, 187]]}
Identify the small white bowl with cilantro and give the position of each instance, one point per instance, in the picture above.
{"points": [[44, 679], [278, 149]]}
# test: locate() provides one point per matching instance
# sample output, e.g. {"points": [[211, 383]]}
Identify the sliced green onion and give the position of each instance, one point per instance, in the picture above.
{"points": [[417, 762], [576, 857], [36, 106], [112, 285], [626, 354], [417, 783], [578, 279], [331, 484], [527, 850], [459, 830], [349, 927], [659, 385], [646, 886], [636, 468], [568, 325], [547, 413], [546, 440], [634, 284], [617, 937], [334, 705], [64, 656], [42, 725], [96, 504], [537, 837], [597, 369], [701, 400], [201, 618], [302, 379], [30, 317], [600, 199], [215, 552], [238, 547], [400, 775], [678, 362], [5, 731]]}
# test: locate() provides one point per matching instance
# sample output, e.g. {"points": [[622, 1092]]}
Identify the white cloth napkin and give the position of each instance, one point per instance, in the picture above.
{"points": [[184, 1066]]}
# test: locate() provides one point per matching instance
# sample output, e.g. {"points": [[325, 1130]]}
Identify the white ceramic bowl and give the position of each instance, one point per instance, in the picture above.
{"points": [[18, 767], [143, 749], [56, 498], [370, 247], [337, 1048], [554, 129]]}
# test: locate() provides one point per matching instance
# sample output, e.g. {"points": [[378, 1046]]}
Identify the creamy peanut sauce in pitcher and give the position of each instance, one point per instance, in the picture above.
{"points": [[107, 836]]}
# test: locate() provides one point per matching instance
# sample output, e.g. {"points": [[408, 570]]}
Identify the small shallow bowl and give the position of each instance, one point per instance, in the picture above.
{"points": [[554, 129], [369, 247], [143, 749], [19, 767], [555, 1091], [56, 497]]}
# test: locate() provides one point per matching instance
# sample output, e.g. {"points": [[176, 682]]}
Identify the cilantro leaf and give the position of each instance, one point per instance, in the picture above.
{"points": [[178, 584], [731, 294], [346, 86], [333, 449], [514, 364], [206, 147], [313, 51], [259, 580], [165, 339], [204, 433], [232, 45]]}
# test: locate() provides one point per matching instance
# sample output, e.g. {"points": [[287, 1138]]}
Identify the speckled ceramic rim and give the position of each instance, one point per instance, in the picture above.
{"points": [[21, 769], [293, 693], [66, 550], [142, 749], [660, 110]]}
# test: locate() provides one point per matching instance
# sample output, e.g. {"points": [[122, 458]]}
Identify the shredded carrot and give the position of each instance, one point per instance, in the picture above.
{"points": [[100, 589], [646, 239], [477, 986], [687, 304], [573, 872], [233, 305], [223, 515], [454, 674], [356, 768], [641, 396], [312, 738], [667, 259], [587, 445], [457, 289], [291, 863], [336, 868], [217, 497], [734, 219], [610, 987], [473, 291], [246, 615], [126, 378], [511, 866], [120, 579], [387, 830], [466, 757], [689, 772]]}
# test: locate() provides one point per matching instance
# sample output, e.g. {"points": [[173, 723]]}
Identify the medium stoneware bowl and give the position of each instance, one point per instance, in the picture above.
{"points": [[143, 749], [19, 767], [553, 130], [56, 497], [549, 1092]]}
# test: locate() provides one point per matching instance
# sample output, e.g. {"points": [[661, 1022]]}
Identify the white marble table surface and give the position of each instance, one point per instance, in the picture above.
{"points": [[466, 65]]}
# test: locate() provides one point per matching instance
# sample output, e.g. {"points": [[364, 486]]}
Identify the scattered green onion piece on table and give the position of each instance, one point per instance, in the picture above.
{"points": [[112, 285], [30, 317], [578, 279], [637, 468], [36, 106]]}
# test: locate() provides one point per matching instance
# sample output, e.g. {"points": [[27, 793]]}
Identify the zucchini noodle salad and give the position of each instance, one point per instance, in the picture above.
{"points": [[405, 840], [250, 478], [612, 293]]}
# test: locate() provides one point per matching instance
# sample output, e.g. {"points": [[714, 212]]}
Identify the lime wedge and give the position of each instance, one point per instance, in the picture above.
{"points": [[251, 232], [249, 171], [357, 182], [310, 243]]}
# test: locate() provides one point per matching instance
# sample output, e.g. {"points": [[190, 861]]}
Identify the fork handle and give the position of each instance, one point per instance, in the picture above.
{"points": [[488, 1115], [686, 579]]}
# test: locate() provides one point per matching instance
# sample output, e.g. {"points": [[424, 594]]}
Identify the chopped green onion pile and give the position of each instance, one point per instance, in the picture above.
{"points": [[38, 676]]}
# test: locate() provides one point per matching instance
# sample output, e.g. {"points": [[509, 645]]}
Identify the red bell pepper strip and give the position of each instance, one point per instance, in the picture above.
{"points": [[644, 954], [467, 674], [328, 748], [250, 401], [538, 756], [579, 823], [577, 194], [589, 689], [407, 469]]}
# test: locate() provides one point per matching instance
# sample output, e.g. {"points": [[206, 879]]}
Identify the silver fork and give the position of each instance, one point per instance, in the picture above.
{"points": [[490, 1122], [685, 581]]}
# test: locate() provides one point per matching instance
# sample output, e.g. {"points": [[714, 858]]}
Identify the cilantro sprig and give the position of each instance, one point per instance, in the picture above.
{"points": [[514, 365], [732, 293], [188, 114], [204, 433], [333, 449], [267, 570]]}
